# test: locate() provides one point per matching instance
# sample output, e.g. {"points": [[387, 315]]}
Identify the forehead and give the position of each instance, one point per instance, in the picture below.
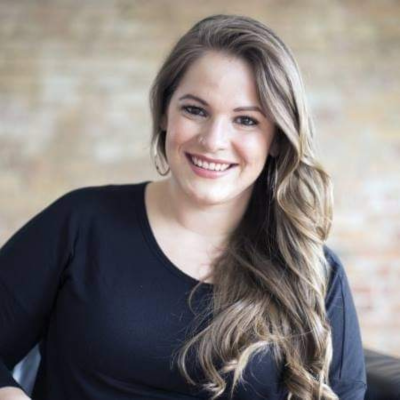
{"points": [[216, 73]]}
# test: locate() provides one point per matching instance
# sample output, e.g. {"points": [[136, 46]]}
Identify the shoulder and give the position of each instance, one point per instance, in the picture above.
{"points": [[93, 193], [88, 198], [338, 282], [334, 261], [88, 205]]}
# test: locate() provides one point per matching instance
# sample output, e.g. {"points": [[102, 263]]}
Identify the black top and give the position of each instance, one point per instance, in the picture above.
{"points": [[87, 279]]}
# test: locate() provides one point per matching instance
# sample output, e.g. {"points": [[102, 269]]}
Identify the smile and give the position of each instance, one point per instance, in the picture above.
{"points": [[212, 166], [208, 170]]}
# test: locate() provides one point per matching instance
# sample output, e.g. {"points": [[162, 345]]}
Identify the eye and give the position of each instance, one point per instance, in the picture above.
{"points": [[192, 110], [252, 121]]}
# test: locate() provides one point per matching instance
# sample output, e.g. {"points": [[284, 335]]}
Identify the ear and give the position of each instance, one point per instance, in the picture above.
{"points": [[274, 149], [164, 122]]}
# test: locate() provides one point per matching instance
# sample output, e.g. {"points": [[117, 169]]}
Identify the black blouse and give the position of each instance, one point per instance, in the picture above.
{"points": [[87, 279]]}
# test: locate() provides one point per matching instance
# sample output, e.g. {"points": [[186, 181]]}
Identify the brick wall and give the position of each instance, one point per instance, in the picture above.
{"points": [[74, 81]]}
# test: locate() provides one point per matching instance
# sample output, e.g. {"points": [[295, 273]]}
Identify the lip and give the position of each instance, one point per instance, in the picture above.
{"points": [[210, 160], [204, 173]]}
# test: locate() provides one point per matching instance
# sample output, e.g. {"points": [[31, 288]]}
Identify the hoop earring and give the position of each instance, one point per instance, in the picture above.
{"points": [[157, 159]]}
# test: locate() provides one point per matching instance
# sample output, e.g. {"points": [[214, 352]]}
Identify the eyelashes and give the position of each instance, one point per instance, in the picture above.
{"points": [[193, 110]]}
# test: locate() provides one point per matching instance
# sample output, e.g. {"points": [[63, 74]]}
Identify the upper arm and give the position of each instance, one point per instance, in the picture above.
{"points": [[32, 262], [347, 374]]}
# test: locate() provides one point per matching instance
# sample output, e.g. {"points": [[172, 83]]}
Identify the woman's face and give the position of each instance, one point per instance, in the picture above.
{"points": [[203, 119]]}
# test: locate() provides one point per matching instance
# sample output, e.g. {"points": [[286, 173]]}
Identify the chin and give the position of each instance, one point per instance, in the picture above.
{"points": [[209, 196]]}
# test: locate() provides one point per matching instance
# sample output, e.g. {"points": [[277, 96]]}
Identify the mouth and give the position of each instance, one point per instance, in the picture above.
{"points": [[217, 167]]}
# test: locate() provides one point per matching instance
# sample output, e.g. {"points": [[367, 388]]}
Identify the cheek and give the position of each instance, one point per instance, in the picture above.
{"points": [[253, 150], [180, 131]]}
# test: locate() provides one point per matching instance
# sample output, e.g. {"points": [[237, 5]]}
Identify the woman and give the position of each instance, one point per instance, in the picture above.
{"points": [[212, 283]]}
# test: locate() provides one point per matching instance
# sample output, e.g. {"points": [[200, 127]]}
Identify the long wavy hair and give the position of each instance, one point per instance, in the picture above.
{"points": [[271, 280]]}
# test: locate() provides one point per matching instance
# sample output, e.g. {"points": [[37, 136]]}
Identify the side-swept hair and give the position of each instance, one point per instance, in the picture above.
{"points": [[271, 279]]}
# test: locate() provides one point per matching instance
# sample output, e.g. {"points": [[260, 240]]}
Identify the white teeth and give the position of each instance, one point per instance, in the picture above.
{"points": [[210, 166]]}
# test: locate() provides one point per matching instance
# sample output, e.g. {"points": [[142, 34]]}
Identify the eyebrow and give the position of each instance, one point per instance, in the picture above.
{"points": [[200, 100]]}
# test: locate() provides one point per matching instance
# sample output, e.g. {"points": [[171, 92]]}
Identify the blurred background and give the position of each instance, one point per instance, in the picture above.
{"points": [[74, 111]]}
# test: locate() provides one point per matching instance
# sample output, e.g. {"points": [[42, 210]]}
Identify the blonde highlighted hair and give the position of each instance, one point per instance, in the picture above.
{"points": [[271, 280]]}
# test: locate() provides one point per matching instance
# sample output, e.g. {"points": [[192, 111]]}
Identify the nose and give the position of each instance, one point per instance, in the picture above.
{"points": [[215, 135]]}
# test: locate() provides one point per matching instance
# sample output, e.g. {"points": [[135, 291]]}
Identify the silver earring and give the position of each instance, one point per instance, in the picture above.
{"points": [[157, 159]]}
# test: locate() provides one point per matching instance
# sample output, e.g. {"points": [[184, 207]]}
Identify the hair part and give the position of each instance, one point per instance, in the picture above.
{"points": [[271, 280]]}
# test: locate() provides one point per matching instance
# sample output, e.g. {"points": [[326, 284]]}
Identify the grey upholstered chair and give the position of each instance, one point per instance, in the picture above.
{"points": [[25, 371]]}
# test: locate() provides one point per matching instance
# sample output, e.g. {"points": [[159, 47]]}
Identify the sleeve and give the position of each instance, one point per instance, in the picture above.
{"points": [[32, 263], [347, 375]]}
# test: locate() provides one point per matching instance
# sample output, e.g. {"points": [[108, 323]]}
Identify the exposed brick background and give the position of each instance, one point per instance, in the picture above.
{"points": [[74, 81]]}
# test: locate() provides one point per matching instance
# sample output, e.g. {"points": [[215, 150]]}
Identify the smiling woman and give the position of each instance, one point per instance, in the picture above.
{"points": [[213, 283], [231, 121]]}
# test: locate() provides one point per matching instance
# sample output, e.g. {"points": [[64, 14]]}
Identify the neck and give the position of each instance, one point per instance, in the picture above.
{"points": [[205, 222]]}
